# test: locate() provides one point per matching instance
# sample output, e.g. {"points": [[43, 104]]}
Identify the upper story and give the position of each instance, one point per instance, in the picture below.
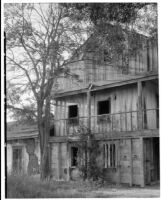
{"points": [[91, 64], [124, 95]]}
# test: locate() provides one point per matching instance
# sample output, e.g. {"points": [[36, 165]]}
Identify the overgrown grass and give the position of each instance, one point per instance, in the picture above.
{"points": [[31, 187]]}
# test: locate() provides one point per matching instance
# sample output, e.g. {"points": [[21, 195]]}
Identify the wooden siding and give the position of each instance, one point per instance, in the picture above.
{"points": [[123, 115], [129, 168], [91, 70]]}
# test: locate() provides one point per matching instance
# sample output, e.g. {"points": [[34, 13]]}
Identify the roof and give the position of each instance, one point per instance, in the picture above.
{"points": [[104, 84], [22, 135], [17, 130]]}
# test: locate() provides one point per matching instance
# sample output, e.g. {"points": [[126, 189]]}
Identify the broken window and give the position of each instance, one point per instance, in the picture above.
{"points": [[17, 159], [74, 156], [109, 155], [73, 114], [104, 108]]}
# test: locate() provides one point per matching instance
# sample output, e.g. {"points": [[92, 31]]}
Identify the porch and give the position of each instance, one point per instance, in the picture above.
{"points": [[129, 121]]}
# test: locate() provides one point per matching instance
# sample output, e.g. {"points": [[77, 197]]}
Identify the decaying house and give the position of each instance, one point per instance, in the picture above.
{"points": [[23, 149], [117, 102], [119, 105]]}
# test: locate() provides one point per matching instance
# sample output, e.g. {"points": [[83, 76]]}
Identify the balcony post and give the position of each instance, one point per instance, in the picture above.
{"points": [[89, 129], [89, 110], [140, 105]]}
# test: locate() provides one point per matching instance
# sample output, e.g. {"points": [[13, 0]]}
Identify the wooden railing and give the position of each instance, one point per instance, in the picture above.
{"points": [[116, 122]]}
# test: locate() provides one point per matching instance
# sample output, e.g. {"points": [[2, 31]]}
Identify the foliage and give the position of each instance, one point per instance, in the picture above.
{"points": [[93, 172], [88, 152], [105, 12], [114, 22]]}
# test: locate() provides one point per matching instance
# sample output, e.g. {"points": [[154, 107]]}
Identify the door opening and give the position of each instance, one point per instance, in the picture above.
{"points": [[17, 160], [151, 160]]}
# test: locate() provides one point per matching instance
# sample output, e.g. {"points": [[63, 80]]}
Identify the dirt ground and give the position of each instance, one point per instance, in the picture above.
{"points": [[147, 192], [117, 192]]}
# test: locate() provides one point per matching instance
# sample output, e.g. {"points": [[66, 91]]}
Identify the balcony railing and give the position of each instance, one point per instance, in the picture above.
{"points": [[116, 122]]}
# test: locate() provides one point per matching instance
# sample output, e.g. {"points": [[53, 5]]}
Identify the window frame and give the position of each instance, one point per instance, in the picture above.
{"points": [[102, 118], [73, 120], [110, 160]]}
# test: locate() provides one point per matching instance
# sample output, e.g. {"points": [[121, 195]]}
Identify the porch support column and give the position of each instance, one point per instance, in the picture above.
{"points": [[142, 182], [140, 106], [89, 110], [68, 161], [59, 160], [131, 164], [89, 129]]}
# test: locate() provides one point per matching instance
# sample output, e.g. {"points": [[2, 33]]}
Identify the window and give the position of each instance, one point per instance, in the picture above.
{"points": [[110, 155], [73, 114], [104, 108], [74, 156], [52, 131]]}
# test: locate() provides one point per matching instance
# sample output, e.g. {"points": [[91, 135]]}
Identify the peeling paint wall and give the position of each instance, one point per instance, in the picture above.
{"points": [[30, 155]]}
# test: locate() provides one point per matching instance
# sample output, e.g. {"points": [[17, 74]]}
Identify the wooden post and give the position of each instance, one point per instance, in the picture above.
{"points": [[131, 164], [59, 160], [140, 106], [89, 110], [89, 130], [142, 163], [68, 161]]}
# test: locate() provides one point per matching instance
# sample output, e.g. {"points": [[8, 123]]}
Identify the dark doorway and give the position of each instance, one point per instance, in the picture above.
{"points": [[17, 160], [151, 160], [74, 156]]}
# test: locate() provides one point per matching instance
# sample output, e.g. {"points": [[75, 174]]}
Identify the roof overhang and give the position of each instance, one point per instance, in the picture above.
{"points": [[107, 85]]}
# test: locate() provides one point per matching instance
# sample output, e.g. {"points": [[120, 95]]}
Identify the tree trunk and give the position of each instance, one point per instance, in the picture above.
{"points": [[44, 129]]}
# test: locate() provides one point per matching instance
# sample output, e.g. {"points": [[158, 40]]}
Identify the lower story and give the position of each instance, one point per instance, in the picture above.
{"points": [[133, 161]]}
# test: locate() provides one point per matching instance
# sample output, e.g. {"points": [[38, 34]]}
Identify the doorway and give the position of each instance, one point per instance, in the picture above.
{"points": [[17, 160], [151, 160]]}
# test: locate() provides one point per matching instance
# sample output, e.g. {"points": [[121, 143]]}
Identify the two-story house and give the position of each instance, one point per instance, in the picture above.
{"points": [[119, 104]]}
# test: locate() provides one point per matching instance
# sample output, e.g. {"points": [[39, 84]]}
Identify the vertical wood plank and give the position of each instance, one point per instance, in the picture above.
{"points": [[131, 164], [142, 181], [68, 161], [140, 105], [89, 110], [59, 159]]}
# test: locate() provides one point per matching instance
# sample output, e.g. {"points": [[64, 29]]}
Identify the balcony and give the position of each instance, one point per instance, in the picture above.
{"points": [[107, 124]]}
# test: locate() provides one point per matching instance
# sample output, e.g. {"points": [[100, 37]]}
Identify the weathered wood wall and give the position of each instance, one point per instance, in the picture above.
{"points": [[129, 161], [90, 69], [123, 99]]}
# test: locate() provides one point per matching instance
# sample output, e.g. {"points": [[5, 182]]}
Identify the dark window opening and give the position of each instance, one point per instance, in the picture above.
{"points": [[73, 114], [104, 108], [17, 160], [74, 156], [52, 131]]}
